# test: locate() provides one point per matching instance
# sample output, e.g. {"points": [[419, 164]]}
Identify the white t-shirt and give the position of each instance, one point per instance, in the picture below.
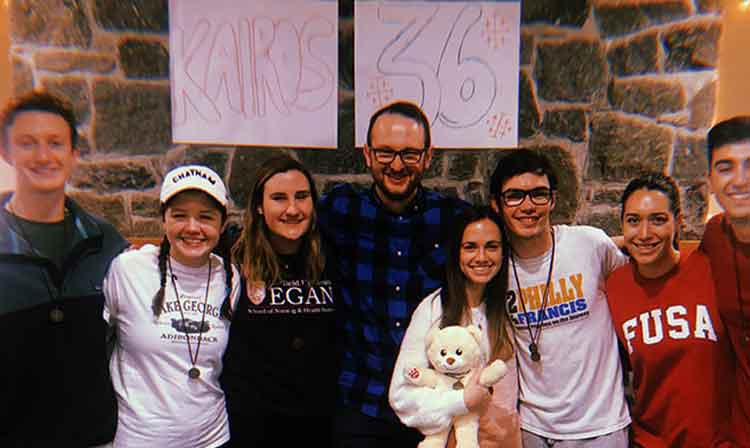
{"points": [[576, 390], [158, 404], [426, 409]]}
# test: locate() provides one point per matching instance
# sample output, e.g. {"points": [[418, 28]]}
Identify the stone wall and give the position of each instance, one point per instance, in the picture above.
{"points": [[608, 88]]}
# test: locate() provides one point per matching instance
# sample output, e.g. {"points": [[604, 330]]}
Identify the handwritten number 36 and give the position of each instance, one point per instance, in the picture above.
{"points": [[461, 89]]}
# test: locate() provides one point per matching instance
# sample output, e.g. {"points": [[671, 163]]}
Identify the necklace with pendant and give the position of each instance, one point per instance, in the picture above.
{"points": [[536, 334], [193, 372], [458, 385], [56, 314]]}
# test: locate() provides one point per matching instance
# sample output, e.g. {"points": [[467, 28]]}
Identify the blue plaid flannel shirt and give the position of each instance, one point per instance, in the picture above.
{"points": [[386, 263]]}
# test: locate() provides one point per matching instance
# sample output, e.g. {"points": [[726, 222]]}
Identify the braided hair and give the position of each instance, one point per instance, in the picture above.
{"points": [[223, 249], [158, 302]]}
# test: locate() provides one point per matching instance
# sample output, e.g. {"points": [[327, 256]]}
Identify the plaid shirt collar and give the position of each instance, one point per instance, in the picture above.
{"points": [[415, 206]]}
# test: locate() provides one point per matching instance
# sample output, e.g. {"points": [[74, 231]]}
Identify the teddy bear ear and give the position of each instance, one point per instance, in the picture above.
{"points": [[431, 336], [475, 333]]}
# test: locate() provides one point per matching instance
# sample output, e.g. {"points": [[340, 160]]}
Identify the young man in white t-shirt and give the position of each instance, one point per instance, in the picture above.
{"points": [[571, 388]]}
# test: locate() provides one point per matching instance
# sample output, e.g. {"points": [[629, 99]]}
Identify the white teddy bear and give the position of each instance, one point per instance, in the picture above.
{"points": [[455, 354]]}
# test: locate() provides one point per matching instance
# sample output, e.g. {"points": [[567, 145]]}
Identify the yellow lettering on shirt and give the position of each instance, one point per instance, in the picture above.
{"points": [[559, 292], [554, 296], [533, 301], [577, 281], [567, 293]]}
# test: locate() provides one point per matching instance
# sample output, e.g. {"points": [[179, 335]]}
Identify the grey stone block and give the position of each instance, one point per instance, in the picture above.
{"points": [[132, 117], [333, 161], [145, 205], [647, 96], [146, 228], [59, 23], [622, 147], [702, 107], [574, 70], [76, 91], [144, 59], [635, 56], [555, 12], [689, 160], [608, 221], [111, 208], [132, 15], [23, 77], [462, 164], [66, 61], [694, 208], [616, 19], [692, 46], [110, 176], [528, 115], [566, 123], [216, 159]]}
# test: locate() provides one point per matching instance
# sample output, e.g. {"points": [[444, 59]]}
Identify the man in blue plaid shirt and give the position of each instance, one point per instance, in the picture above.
{"points": [[388, 250]]}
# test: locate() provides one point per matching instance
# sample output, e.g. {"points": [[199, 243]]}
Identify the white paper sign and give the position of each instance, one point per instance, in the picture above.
{"points": [[254, 72], [457, 60]]}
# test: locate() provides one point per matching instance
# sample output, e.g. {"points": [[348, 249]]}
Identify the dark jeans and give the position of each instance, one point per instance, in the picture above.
{"points": [[274, 430], [352, 429]]}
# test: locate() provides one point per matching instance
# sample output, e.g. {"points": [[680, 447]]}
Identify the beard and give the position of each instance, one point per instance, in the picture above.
{"points": [[397, 196]]}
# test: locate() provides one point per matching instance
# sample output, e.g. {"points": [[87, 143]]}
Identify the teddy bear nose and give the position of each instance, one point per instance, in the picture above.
{"points": [[450, 361]]}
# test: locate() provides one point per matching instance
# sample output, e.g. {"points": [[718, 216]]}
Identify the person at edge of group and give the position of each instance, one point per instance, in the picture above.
{"points": [[54, 384], [726, 241], [666, 317], [474, 293], [570, 376], [388, 242], [170, 307], [280, 365]]}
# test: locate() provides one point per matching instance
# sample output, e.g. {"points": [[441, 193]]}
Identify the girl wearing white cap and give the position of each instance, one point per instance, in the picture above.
{"points": [[169, 307]]}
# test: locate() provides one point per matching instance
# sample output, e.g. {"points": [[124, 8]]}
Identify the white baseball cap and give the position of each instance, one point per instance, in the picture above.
{"points": [[193, 177]]}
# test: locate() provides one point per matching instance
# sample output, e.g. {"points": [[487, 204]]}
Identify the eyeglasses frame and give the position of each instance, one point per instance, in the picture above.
{"points": [[528, 193], [399, 154]]}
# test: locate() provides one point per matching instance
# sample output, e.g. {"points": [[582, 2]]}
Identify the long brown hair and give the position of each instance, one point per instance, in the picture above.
{"points": [[253, 250], [453, 295]]}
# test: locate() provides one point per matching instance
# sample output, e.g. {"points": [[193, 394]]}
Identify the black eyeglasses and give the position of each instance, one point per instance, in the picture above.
{"points": [[515, 197], [408, 156]]}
